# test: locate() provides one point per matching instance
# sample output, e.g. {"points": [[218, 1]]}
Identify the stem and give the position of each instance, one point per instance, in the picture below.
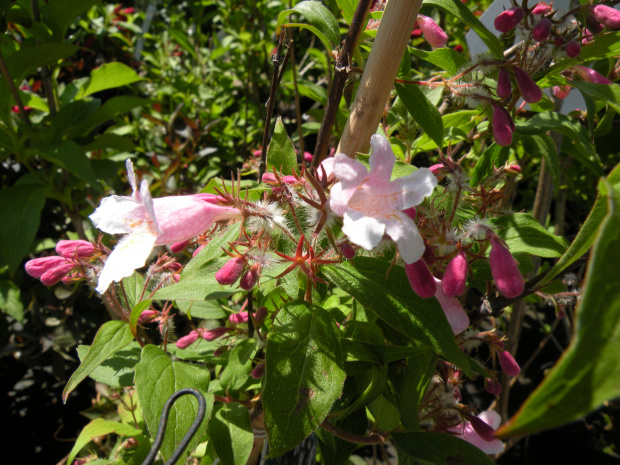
{"points": [[373, 438], [342, 69], [297, 100], [9, 81]]}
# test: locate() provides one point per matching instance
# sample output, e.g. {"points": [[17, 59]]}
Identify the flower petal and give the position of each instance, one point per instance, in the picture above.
{"points": [[455, 313], [129, 254], [414, 187], [350, 174], [362, 230], [118, 215], [382, 159], [131, 177], [405, 233]]}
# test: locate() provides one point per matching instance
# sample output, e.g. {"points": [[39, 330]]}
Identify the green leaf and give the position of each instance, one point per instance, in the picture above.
{"points": [[20, 214], [439, 448], [109, 110], [136, 311], [281, 152], [211, 251], [566, 125], [109, 76], [336, 451], [423, 112], [523, 233], [111, 337], [418, 374], [460, 11], [231, 432], [70, 157], [374, 386], [27, 59], [61, 13], [543, 145], [118, 370], [347, 7], [304, 374], [239, 365], [101, 427], [157, 378], [319, 17], [446, 58], [493, 156], [609, 93], [588, 373], [385, 414], [393, 301], [10, 300], [587, 233]]}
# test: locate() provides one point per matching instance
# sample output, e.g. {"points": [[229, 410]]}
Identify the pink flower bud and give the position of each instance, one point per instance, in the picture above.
{"points": [[260, 316], [558, 41], [542, 30], [308, 157], [513, 169], [257, 153], [589, 75], [507, 20], [506, 274], [238, 318], [530, 92], [270, 178], [573, 49], [147, 315], [197, 251], [411, 212], [179, 246], [541, 8], [593, 25], [231, 271], [188, 340], [37, 267], [509, 365], [586, 37], [439, 172], [53, 276], [347, 250], [455, 277], [504, 84], [421, 280], [77, 248], [214, 334], [250, 278], [503, 126], [481, 428], [433, 34], [258, 371], [561, 92], [492, 386], [606, 15]]}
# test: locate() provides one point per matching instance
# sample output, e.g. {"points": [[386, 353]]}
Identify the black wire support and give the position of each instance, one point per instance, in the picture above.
{"points": [[163, 423]]}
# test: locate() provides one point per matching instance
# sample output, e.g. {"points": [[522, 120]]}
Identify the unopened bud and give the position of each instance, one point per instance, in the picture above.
{"points": [[606, 15], [347, 250], [589, 75], [513, 169], [147, 315], [250, 278], [504, 84], [506, 274], [238, 318], [433, 34], [438, 170], [455, 277], [231, 271], [503, 126], [188, 340], [411, 212], [258, 371], [573, 49], [492, 386], [214, 334], [77, 248], [198, 249], [509, 365], [178, 246], [481, 428], [561, 92], [542, 30], [530, 92], [558, 41], [541, 8], [308, 157], [38, 266], [507, 20], [260, 316], [421, 280], [53, 276]]}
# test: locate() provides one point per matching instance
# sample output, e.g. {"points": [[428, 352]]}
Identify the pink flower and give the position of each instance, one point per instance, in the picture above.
{"points": [[421, 279], [561, 92], [55, 275], [503, 126], [347, 250], [77, 248], [231, 271], [150, 222], [147, 315], [50, 270], [308, 157], [541, 8], [455, 277], [542, 30], [238, 318], [508, 363], [530, 92], [589, 75], [452, 308], [606, 15], [372, 205], [214, 334], [433, 34], [573, 49], [250, 278], [507, 20], [504, 84], [186, 341], [467, 432], [506, 274]]}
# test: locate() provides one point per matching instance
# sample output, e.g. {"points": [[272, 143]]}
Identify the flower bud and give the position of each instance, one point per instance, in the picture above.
{"points": [[593, 25], [260, 315], [455, 277], [542, 30], [504, 85], [250, 278], [530, 92], [77, 248], [179, 246], [484, 431], [347, 250], [231, 271], [238, 318], [558, 41], [308, 157], [573, 49], [439, 172], [503, 126], [433, 34], [561, 92], [198, 249], [492, 386], [421, 280], [506, 274], [507, 20], [509, 365], [411, 212], [258, 371], [53, 276], [38, 266], [147, 315], [606, 15], [214, 334], [586, 37], [188, 340], [589, 75], [541, 8]]}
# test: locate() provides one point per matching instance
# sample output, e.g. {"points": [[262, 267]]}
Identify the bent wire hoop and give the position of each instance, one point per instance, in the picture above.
{"points": [[163, 423]]}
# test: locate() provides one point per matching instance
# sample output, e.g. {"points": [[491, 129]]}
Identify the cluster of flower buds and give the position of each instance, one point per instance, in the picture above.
{"points": [[68, 266], [207, 335]]}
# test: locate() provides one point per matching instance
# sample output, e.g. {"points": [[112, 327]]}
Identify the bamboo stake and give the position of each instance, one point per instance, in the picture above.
{"points": [[379, 74]]}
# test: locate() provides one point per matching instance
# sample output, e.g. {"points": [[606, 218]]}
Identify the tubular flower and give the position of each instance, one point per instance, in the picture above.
{"points": [[504, 85], [50, 270], [530, 91], [150, 222], [507, 20], [606, 15], [542, 30], [503, 126], [433, 34], [454, 311], [455, 277], [468, 433], [506, 274], [372, 205], [589, 75], [420, 279]]}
